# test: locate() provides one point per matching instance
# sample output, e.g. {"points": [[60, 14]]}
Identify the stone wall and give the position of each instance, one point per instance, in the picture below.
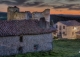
{"points": [[27, 43]]}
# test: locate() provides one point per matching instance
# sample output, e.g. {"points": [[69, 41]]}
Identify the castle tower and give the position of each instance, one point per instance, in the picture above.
{"points": [[11, 11], [46, 14]]}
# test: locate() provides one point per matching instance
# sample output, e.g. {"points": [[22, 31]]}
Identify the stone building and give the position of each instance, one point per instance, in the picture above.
{"points": [[13, 13], [45, 15], [22, 36], [68, 29]]}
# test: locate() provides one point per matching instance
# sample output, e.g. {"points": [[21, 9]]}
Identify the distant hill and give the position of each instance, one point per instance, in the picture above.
{"points": [[3, 16], [56, 18]]}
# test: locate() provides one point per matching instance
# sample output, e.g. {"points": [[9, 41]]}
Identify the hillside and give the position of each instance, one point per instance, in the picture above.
{"points": [[3, 16], [56, 18]]}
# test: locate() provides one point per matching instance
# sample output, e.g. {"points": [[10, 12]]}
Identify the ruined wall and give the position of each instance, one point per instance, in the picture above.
{"points": [[45, 14], [30, 43], [20, 16], [11, 11], [37, 15]]}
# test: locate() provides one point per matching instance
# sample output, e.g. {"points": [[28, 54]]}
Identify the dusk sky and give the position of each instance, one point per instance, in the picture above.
{"points": [[56, 6]]}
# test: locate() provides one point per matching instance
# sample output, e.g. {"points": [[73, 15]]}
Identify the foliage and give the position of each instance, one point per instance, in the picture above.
{"points": [[55, 37]]}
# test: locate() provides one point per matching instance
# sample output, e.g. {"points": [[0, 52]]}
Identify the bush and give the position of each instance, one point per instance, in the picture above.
{"points": [[55, 37]]}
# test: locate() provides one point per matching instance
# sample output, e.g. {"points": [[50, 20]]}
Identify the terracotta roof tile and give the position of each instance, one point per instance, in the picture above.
{"points": [[21, 27]]}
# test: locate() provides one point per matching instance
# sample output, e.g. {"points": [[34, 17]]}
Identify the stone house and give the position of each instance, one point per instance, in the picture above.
{"points": [[22, 36], [67, 29]]}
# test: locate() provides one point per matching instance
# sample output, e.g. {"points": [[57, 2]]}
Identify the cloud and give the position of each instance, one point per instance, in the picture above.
{"points": [[20, 2], [67, 6], [35, 3], [13, 2], [72, 0], [24, 3], [56, 4], [7, 2]]}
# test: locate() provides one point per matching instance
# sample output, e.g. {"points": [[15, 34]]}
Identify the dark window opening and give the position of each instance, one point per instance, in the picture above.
{"points": [[64, 33], [21, 39], [72, 33], [60, 28], [20, 49], [36, 46], [63, 27], [42, 22]]}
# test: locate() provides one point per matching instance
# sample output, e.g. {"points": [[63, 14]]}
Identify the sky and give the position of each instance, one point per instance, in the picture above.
{"points": [[71, 7]]}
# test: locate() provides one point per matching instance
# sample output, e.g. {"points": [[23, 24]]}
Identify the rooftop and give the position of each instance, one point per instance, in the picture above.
{"points": [[71, 23], [21, 27]]}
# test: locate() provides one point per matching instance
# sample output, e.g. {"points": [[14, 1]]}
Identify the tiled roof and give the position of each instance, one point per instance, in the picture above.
{"points": [[21, 27], [71, 23]]}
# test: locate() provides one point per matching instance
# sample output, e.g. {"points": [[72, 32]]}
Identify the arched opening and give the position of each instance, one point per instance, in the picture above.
{"points": [[42, 22]]}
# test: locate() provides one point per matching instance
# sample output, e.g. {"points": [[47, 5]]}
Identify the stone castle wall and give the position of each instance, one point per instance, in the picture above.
{"points": [[45, 14], [15, 14]]}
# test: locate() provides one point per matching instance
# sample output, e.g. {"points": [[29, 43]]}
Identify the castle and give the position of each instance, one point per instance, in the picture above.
{"points": [[13, 13]]}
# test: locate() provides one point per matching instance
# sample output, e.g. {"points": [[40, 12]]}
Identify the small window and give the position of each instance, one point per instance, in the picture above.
{"points": [[36, 46], [63, 27], [72, 33], [21, 39], [64, 33], [60, 28], [20, 49]]}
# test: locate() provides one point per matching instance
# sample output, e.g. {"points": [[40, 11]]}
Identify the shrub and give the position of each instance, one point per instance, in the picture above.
{"points": [[55, 37]]}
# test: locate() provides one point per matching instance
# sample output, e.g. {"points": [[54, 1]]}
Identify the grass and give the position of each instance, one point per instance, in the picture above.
{"points": [[61, 48]]}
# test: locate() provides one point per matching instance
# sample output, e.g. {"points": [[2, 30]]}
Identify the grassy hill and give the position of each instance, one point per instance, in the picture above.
{"points": [[61, 48]]}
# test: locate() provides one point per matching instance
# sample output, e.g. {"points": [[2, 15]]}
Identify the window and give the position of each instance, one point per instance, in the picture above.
{"points": [[72, 33], [21, 39], [20, 49], [64, 33], [63, 27], [60, 33], [60, 28], [36, 46]]}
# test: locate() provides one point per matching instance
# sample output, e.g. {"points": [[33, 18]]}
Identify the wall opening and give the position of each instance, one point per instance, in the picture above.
{"points": [[20, 49], [21, 39], [36, 46], [42, 22]]}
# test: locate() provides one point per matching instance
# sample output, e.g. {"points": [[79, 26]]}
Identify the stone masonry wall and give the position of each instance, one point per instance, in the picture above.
{"points": [[31, 43]]}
